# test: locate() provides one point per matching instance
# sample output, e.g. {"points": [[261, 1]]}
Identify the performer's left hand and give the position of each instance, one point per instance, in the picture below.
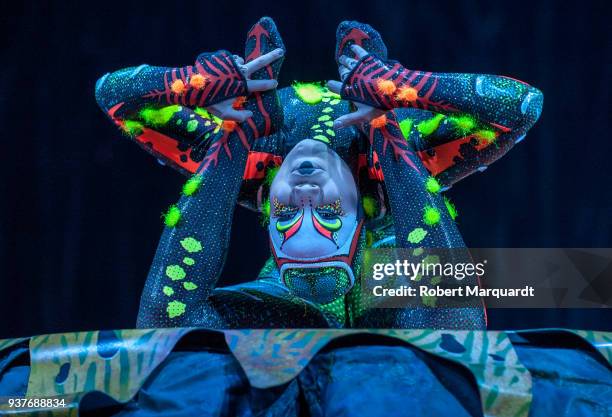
{"points": [[224, 109], [364, 113]]}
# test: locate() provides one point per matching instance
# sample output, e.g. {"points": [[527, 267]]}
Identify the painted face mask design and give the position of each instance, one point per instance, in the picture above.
{"points": [[314, 222]]}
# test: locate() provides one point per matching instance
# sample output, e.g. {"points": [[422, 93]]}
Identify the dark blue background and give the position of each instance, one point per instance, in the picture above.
{"points": [[80, 205]]}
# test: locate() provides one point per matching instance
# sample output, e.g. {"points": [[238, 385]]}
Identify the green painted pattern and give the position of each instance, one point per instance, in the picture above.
{"points": [[274, 357], [159, 117], [431, 215], [136, 354], [269, 358], [7, 343], [175, 308], [429, 126], [601, 341], [450, 207], [417, 235], [192, 185], [191, 245], [172, 216], [175, 272]]}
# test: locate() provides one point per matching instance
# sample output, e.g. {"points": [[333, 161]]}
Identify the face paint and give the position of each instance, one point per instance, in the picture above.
{"points": [[315, 221], [289, 220], [327, 220]]}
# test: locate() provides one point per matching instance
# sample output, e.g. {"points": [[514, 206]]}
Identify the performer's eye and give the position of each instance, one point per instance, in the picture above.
{"points": [[285, 212], [327, 214], [331, 210], [282, 211]]}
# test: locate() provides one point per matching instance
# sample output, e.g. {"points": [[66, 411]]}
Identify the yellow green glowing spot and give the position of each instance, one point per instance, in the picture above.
{"points": [[316, 127], [188, 261], [324, 118], [418, 251], [271, 174], [265, 210], [309, 93], [175, 309], [328, 93], [327, 110], [168, 290], [133, 127], [463, 123], [192, 125], [436, 280], [321, 138], [206, 115], [429, 126], [159, 117], [450, 207], [370, 206], [172, 216], [329, 123], [417, 235], [330, 132], [432, 185], [485, 135], [406, 127], [192, 185], [431, 216], [191, 245], [334, 102], [369, 238], [189, 286], [175, 272]]}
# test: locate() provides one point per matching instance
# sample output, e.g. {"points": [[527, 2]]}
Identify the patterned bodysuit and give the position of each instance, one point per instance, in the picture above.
{"points": [[438, 129]]}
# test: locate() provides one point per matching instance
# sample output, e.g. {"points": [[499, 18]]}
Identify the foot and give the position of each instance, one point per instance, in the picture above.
{"points": [[356, 33], [262, 38]]}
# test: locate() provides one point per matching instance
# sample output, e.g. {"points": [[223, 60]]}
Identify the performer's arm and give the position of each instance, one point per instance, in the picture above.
{"points": [[167, 111], [477, 118], [193, 246]]}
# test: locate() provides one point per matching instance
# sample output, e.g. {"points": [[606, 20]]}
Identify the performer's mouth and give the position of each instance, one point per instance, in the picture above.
{"points": [[306, 168]]}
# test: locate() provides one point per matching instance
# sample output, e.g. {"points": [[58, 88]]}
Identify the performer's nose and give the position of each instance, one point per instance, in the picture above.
{"points": [[306, 195]]}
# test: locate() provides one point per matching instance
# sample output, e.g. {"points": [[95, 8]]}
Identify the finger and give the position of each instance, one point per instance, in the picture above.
{"points": [[261, 85], [238, 60], [359, 51], [343, 71], [347, 62], [334, 86], [263, 60], [351, 119], [225, 111]]}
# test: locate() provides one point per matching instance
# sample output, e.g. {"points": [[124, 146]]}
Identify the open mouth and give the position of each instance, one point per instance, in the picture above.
{"points": [[306, 168]]}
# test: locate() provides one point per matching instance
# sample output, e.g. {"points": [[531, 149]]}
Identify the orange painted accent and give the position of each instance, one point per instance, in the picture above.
{"points": [[229, 125], [158, 144], [239, 103], [386, 87], [444, 155], [482, 139], [373, 173], [177, 87], [379, 122], [250, 170], [407, 94], [197, 81]]}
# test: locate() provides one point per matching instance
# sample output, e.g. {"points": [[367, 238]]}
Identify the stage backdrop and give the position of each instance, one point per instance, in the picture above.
{"points": [[80, 205]]}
